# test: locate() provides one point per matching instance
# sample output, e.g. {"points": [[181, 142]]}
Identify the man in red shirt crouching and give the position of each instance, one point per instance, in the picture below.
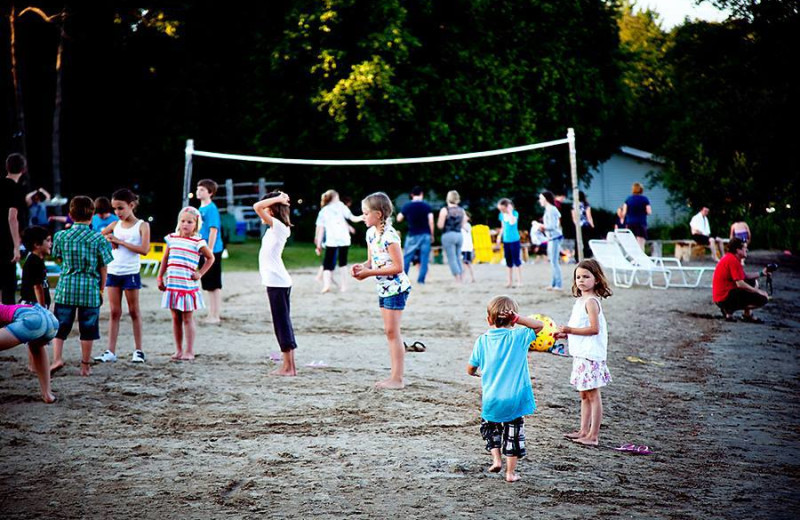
{"points": [[733, 289]]}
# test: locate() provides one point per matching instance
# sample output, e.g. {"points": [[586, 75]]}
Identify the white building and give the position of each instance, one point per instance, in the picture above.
{"points": [[612, 180]]}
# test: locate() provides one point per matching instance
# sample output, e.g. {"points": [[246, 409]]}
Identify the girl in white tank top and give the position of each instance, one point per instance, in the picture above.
{"points": [[130, 237], [587, 336]]}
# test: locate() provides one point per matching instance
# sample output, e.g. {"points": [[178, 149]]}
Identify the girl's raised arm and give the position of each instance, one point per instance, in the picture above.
{"points": [[261, 206]]}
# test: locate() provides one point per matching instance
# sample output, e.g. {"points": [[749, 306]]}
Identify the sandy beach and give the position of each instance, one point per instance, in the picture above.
{"points": [[717, 402]]}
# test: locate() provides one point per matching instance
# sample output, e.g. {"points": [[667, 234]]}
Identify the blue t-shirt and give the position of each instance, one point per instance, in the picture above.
{"points": [[210, 215], [99, 223], [510, 231], [502, 356], [416, 213], [37, 215], [637, 210]]}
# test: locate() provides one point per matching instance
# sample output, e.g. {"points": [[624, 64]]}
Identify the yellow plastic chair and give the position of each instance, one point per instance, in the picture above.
{"points": [[484, 247], [151, 262]]}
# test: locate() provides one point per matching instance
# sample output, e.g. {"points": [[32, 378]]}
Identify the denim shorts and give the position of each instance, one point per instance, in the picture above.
{"points": [[33, 323], [88, 319], [126, 282], [394, 303]]}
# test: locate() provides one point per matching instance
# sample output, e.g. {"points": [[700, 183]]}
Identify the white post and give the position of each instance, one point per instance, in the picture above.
{"points": [[229, 193], [187, 171], [573, 166]]}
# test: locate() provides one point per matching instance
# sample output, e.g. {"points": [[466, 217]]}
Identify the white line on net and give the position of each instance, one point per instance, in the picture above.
{"points": [[372, 162]]}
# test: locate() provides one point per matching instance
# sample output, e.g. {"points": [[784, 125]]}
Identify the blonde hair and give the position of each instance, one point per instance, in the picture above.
{"points": [[637, 188], [327, 197], [601, 287], [379, 201], [453, 197], [504, 305], [195, 213]]}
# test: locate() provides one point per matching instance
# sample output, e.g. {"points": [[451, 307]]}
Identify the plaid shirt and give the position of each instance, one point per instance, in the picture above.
{"points": [[83, 252]]}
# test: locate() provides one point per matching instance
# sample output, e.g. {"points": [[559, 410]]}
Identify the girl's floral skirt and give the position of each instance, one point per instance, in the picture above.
{"points": [[588, 374]]}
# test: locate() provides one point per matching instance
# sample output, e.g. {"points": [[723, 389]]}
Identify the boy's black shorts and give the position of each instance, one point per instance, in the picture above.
{"points": [[509, 437]]}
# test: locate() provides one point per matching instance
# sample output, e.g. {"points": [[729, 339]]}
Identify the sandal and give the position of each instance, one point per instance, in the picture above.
{"points": [[417, 346], [752, 319]]}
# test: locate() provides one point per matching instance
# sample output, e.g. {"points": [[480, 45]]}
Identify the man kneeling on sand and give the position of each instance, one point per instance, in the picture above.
{"points": [[733, 289]]}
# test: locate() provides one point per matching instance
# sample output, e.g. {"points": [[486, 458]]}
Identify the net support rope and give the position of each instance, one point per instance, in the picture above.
{"points": [[570, 139]]}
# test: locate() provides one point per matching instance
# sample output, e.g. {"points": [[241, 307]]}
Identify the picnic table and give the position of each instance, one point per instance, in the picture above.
{"points": [[685, 250]]}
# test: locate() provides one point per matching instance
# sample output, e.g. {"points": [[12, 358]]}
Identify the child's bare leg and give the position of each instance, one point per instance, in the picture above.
{"points": [[326, 280], [58, 361], [391, 324], [596, 417], [40, 363], [595, 406], [114, 316], [511, 466], [585, 418], [519, 276], [288, 368], [177, 332], [471, 273], [86, 357], [132, 297], [508, 276], [343, 279], [30, 362], [214, 304], [188, 332], [497, 461]]}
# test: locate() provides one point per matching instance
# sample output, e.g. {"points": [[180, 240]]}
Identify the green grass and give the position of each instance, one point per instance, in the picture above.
{"points": [[244, 257]]}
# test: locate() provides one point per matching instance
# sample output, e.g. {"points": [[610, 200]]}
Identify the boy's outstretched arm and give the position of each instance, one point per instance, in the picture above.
{"points": [[473, 371]]}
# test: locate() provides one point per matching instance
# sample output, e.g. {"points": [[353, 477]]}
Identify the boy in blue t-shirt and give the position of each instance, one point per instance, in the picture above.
{"points": [[211, 232], [501, 354]]}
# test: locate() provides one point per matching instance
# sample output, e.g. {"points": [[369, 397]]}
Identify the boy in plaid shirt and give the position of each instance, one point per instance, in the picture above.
{"points": [[84, 255]]}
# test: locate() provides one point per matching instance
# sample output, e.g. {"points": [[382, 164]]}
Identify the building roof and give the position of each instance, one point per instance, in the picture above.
{"points": [[641, 154]]}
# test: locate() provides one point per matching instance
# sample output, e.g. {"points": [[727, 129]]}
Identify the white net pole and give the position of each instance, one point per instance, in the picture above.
{"points": [[187, 171], [573, 168], [374, 162]]}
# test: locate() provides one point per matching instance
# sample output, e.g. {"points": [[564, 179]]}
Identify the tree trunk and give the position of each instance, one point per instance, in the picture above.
{"points": [[19, 130]]}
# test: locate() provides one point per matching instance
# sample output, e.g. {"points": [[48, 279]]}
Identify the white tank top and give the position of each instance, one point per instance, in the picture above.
{"points": [[590, 347], [126, 261]]}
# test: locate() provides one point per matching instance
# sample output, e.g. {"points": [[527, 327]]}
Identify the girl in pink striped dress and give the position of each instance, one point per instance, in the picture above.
{"points": [[179, 278]]}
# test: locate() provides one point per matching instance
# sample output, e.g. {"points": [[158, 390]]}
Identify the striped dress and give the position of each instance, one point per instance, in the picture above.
{"points": [[183, 293]]}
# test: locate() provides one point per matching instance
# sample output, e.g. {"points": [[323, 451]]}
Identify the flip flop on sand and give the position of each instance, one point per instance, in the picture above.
{"points": [[635, 449], [417, 346], [559, 349], [274, 356], [317, 364]]}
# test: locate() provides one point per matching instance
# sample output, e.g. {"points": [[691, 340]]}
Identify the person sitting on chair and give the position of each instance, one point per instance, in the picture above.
{"points": [[701, 233], [733, 289]]}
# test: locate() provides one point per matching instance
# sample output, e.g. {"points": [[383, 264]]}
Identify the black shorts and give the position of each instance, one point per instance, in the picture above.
{"points": [[88, 321], [509, 437], [703, 240], [212, 280], [638, 230], [331, 254], [739, 299]]}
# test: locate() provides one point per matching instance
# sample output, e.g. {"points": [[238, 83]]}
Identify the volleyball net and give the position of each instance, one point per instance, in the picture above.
{"points": [[191, 153]]}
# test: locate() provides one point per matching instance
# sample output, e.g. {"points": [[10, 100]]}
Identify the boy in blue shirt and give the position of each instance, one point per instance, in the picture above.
{"points": [[211, 232], [501, 354]]}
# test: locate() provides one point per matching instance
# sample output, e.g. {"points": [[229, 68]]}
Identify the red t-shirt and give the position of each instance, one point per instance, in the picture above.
{"points": [[729, 270]]}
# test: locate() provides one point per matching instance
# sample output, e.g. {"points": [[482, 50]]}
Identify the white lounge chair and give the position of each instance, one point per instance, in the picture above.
{"points": [[623, 272], [630, 247]]}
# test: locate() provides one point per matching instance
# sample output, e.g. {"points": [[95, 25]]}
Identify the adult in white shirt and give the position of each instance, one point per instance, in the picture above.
{"points": [[701, 233], [333, 234]]}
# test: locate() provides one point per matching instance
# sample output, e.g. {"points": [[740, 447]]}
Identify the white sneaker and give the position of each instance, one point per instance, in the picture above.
{"points": [[138, 357], [106, 357]]}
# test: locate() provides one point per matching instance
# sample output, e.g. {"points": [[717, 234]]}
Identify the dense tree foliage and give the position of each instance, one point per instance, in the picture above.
{"points": [[391, 78]]}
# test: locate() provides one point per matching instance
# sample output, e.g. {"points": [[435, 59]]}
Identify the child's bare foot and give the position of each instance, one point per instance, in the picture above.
{"points": [[86, 368], [55, 367], [49, 398], [496, 467], [187, 357], [508, 286], [177, 356], [283, 372], [211, 321], [575, 435], [512, 477], [586, 441], [326, 289], [390, 384]]}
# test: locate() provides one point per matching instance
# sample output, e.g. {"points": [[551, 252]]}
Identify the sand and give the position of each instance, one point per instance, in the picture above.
{"points": [[717, 403]]}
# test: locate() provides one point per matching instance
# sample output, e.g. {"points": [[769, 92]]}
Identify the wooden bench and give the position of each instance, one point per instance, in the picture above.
{"points": [[685, 250]]}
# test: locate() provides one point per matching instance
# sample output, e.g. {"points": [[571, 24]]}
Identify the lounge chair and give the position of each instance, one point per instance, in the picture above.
{"points": [[610, 256], [630, 247]]}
